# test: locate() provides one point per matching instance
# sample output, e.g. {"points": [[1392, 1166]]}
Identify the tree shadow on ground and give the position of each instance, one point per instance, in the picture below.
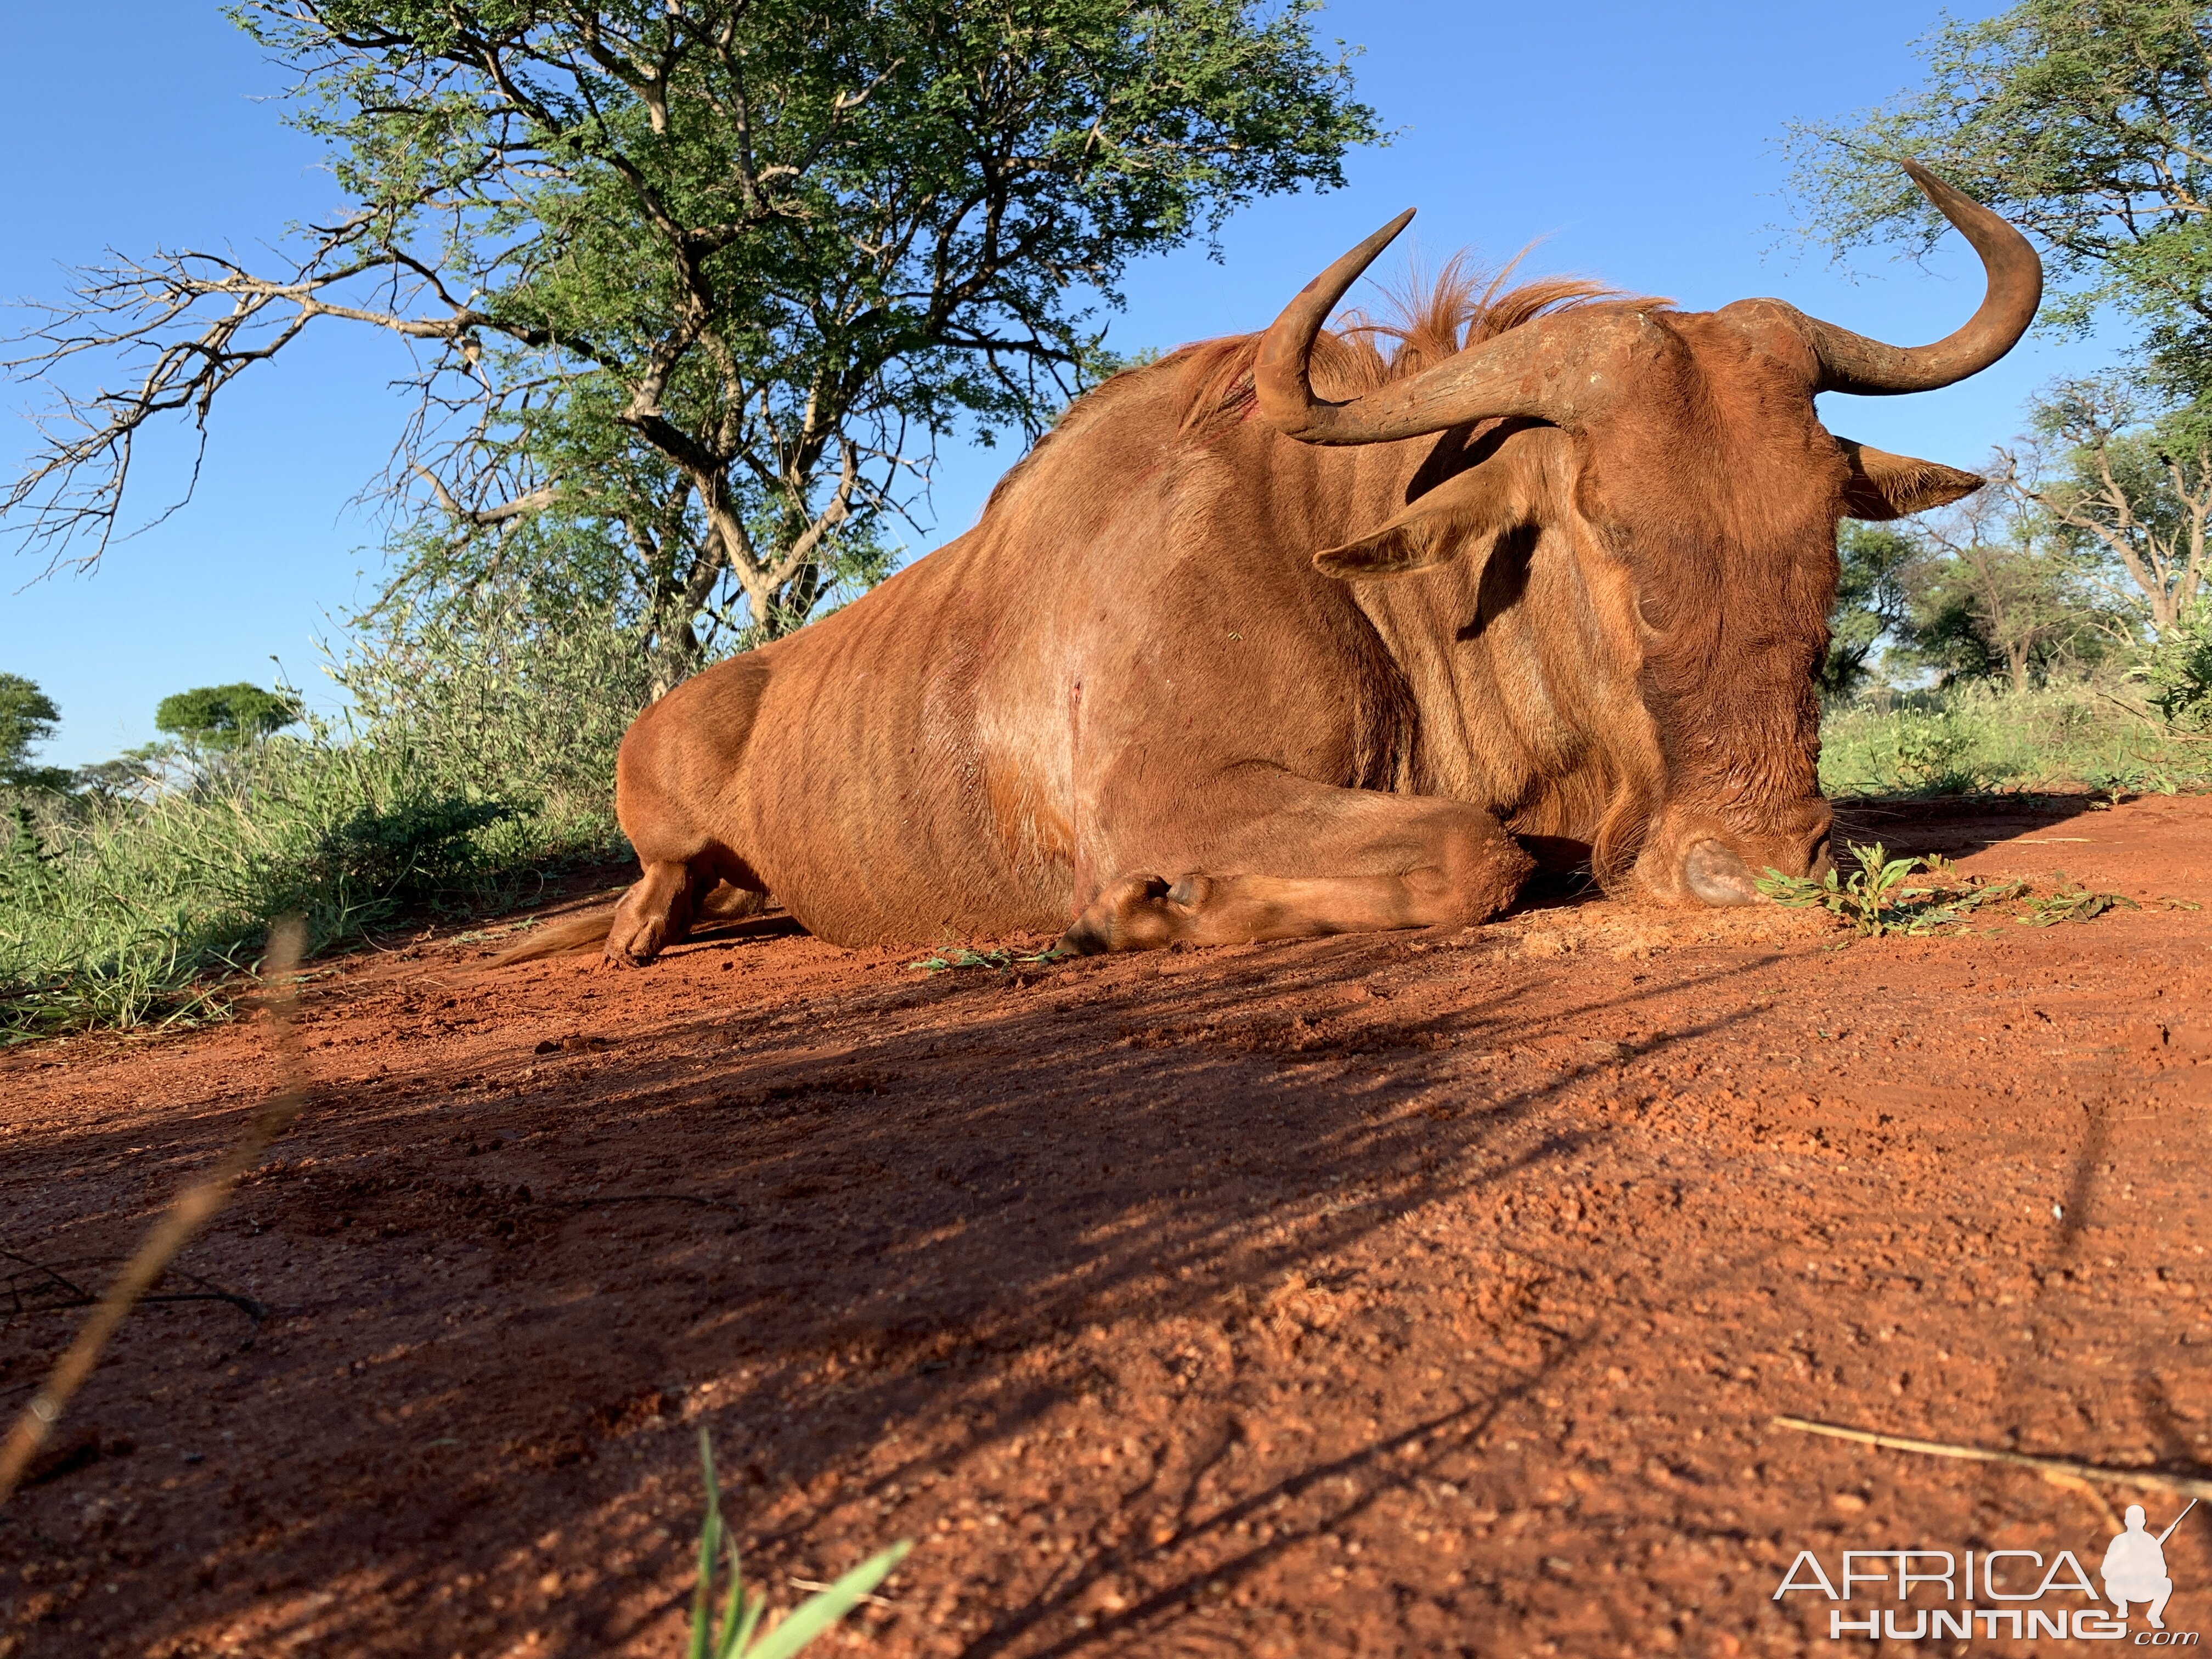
{"points": [[940, 1211]]}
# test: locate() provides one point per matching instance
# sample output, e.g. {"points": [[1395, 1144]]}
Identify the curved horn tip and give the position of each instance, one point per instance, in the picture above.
{"points": [[1933, 188], [1369, 250]]}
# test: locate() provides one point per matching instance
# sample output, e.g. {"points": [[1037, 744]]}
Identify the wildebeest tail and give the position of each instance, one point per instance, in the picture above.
{"points": [[551, 940]]}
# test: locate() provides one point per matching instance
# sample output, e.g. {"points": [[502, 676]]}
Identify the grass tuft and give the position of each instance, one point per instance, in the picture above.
{"points": [[1974, 738], [735, 1632], [466, 775]]}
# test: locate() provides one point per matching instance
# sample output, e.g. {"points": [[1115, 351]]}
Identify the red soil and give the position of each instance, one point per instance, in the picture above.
{"points": [[1413, 1294]]}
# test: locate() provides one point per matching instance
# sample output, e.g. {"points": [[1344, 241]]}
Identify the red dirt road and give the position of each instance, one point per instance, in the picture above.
{"points": [[1404, 1295]]}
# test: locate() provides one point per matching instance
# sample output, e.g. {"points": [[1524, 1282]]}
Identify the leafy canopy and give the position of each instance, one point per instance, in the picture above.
{"points": [[2088, 123], [1872, 600], [28, 718], [2130, 488], [700, 287], [225, 716]]}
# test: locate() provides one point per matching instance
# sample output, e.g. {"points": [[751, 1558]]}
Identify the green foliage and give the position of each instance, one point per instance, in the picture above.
{"points": [[1860, 897], [27, 718], [1974, 737], [2004, 593], [1872, 599], [2073, 902], [2179, 669], [525, 693], [2086, 121], [736, 1633], [1929, 754], [998, 960], [702, 287], [1874, 900], [226, 716], [480, 757], [408, 851], [2131, 488]]}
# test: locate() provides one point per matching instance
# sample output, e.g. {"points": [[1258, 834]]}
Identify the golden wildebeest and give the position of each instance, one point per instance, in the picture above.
{"points": [[1278, 637]]}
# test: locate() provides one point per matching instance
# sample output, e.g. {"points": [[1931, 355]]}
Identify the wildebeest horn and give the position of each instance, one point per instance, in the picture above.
{"points": [[1852, 363], [1532, 370]]}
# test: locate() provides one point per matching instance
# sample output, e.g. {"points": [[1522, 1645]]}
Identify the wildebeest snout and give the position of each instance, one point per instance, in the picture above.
{"points": [[1714, 872], [1726, 871]]}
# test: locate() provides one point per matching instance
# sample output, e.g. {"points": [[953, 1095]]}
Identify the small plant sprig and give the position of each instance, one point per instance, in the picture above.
{"points": [[1861, 898], [2072, 903], [732, 1636], [999, 961], [1876, 901]]}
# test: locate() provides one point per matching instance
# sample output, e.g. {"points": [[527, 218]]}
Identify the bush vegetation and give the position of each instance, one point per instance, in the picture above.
{"points": [[1980, 735], [479, 757]]}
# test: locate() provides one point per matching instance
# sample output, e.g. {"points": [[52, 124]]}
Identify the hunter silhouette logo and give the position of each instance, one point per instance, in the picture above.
{"points": [[1916, 1595], [2135, 1566]]}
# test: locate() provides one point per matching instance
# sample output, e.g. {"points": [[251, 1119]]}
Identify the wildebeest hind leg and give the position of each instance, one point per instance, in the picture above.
{"points": [[653, 915], [1365, 862], [661, 908]]}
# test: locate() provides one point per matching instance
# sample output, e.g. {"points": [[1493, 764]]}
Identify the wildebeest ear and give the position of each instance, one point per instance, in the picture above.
{"points": [[1479, 501], [1887, 486]]}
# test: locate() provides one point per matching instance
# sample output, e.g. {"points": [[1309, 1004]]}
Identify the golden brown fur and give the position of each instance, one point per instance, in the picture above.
{"points": [[1130, 700]]}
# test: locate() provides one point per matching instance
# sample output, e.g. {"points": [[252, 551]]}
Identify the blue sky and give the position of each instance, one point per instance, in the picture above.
{"points": [[1640, 144]]}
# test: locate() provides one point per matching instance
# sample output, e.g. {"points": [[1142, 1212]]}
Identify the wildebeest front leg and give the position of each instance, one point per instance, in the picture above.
{"points": [[1308, 860]]}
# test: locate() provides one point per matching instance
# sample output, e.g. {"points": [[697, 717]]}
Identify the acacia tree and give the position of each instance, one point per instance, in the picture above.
{"points": [[697, 286], [1873, 599], [2004, 593], [2139, 493], [28, 718], [226, 717]]}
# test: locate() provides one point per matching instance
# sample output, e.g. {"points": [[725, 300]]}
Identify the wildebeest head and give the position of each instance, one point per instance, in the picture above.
{"points": [[1682, 451]]}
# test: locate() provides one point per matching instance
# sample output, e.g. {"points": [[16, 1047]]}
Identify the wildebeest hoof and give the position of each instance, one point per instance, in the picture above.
{"points": [[1137, 912], [635, 946]]}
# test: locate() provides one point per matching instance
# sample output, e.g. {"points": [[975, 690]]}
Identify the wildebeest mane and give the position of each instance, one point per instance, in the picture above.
{"points": [[1423, 321]]}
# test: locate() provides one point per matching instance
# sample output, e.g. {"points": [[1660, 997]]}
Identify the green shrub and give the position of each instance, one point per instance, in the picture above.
{"points": [[479, 752], [1967, 738], [2179, 670]]}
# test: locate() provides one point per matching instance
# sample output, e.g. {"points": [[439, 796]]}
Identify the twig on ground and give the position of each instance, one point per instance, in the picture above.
{"points": [[44, 1271], [2186, 1485], [186, 1216]]}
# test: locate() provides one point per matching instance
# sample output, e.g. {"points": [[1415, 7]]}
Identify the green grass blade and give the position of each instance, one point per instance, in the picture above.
{"points": [[824, 1608], [741, 1630], [710, 1545], [739, 1615]]}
